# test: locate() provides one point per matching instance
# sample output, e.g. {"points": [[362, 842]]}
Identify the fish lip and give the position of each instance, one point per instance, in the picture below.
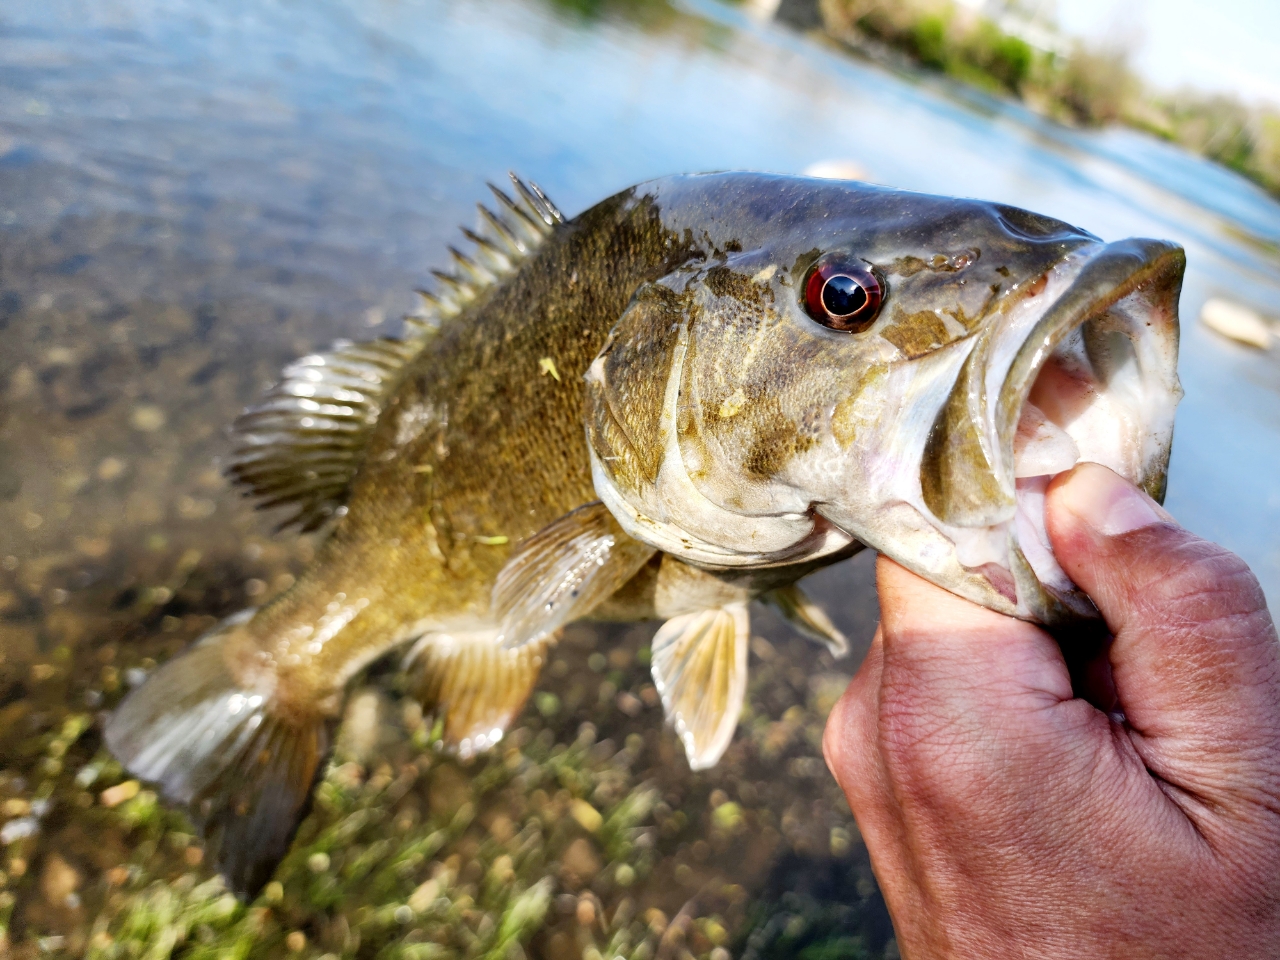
{"points": [[1112, 273], [968, 492], [1134, 286]]}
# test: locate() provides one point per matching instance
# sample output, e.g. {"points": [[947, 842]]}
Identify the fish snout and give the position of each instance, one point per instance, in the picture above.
{"points": [[1077, 364]]}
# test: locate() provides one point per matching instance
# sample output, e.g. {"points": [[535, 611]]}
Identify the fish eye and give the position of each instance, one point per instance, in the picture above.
{"points": [[843, 293]]}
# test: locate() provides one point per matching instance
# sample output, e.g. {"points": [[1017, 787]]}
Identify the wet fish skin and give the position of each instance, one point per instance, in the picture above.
{"points": [[625, 416]]}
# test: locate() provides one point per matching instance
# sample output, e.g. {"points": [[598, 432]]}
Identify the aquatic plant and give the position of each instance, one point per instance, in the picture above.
{"points": [[584, 835]]}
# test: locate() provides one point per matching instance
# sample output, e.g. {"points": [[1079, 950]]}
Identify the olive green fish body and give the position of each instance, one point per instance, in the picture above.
{"points": [[686, 398]]}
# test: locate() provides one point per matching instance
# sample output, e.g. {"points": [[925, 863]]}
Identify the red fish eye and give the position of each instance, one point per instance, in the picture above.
{"points": [[843, 294]]}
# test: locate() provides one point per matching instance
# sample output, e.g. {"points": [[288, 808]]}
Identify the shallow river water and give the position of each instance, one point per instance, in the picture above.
{"points": [[192, 194]]}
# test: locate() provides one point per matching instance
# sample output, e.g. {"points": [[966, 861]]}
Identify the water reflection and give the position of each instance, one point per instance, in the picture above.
{"points": [[193, 194]]}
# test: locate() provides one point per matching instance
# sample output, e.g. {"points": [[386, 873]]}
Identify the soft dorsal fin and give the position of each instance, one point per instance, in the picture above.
{"points": [[700, 669], [563, 572], [303, 442]]}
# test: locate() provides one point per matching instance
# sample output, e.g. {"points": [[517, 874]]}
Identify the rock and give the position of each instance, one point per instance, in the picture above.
{"points": [[424, 896], [147, 418], [587, 815], [362, 731], [111, 468], [1236, 321]]}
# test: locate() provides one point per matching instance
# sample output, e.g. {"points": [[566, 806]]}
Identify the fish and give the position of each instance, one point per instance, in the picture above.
{"points": [[682, 400]]}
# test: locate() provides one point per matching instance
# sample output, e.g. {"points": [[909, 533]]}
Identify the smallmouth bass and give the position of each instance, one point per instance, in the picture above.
{"points": [[681, 400]]}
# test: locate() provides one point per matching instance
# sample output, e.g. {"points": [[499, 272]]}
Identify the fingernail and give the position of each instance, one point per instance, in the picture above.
{"points": [[1107, 502]]}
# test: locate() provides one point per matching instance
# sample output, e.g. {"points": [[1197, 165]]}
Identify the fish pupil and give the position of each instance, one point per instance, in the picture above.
{"points": [[843, 296], [843, 293]]}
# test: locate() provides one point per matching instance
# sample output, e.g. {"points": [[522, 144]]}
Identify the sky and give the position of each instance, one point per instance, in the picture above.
{"points": [[1212, 45]]}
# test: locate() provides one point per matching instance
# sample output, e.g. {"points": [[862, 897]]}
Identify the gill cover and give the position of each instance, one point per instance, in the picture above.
{"points": [[691, 428]]}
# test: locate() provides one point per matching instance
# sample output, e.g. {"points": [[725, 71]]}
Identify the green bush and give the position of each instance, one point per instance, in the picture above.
{"points": [[1086, 86]]}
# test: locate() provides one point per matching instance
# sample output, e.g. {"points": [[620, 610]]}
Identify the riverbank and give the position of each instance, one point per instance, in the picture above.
{"points": [[1057, 76]]}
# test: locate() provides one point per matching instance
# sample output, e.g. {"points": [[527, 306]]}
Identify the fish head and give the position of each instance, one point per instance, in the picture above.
{"points": [[838, 363]]}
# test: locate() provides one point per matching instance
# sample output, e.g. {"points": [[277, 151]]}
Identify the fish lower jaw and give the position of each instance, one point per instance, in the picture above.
{"points": [[1106, 394]]}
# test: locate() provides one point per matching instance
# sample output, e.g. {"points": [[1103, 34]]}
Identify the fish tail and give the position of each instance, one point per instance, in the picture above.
{"points": [[244, 770], [473, 684]]}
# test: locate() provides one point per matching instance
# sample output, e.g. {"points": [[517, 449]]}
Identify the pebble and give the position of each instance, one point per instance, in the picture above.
{"points": [[296, 941], [586, 912], [111, 468], [424, 896], [1236, 321], [114, 796], [58, 880], [18, 829], [147, 418], [587, 815], [580, 860]]}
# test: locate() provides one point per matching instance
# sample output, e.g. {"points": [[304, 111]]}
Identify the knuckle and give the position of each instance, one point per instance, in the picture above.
{"points": [[1202, 588]]}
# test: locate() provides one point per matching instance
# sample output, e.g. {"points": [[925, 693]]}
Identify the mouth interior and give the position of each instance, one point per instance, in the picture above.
{"points": [[1089, 402]]}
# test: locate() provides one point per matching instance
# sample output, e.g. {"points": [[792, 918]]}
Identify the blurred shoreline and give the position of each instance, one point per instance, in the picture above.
{"points": [[1002, 48]]}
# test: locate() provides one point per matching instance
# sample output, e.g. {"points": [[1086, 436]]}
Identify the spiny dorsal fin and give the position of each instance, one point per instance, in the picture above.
{"points": [[502, 240], [563, 572], [302, 443], [700, 669]]}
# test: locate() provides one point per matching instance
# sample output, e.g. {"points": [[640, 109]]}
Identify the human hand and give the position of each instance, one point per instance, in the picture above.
{"points": [[1007, 818]]}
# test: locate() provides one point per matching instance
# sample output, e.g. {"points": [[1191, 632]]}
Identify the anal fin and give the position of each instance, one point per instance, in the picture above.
{"points": [[244, 771], [473, 684], [700, 670], [807, 617]]}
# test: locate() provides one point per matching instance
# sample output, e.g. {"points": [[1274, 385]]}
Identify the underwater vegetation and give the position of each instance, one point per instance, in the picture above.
{"points": [[583, 836]]}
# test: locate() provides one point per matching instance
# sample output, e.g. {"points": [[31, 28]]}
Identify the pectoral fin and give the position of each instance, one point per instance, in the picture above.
{"points": [[807, 617], [473, 685], [700, 670], [563, 572]]}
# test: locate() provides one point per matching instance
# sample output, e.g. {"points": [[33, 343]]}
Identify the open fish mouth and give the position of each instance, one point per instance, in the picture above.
{"points": [[1080, 366]]}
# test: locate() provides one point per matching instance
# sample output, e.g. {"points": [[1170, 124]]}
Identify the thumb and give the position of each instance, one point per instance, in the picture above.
{"points": [[1195, 658]]}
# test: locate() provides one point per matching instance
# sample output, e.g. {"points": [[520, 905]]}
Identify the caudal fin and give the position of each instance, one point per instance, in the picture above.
{"points": [[244, 773]]}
